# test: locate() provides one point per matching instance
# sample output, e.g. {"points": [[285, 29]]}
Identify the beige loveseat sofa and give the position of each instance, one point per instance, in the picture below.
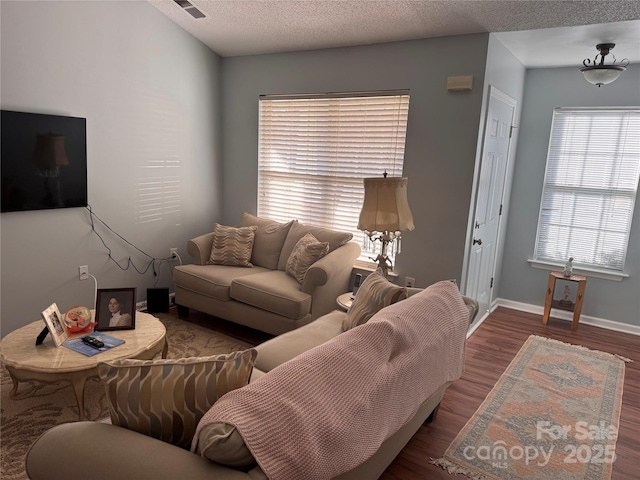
{"points": [[264, 296], [110, 452]]}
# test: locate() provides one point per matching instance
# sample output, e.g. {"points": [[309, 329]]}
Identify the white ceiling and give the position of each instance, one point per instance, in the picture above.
{"points": [[541, 33], [566, 46]]}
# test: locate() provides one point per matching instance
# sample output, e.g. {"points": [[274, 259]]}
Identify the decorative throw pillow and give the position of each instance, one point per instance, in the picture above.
{"points": [[375, 293], [268, 241], [334, 238], [223, 444], [165, 399], [307, 251], [232, 245]]}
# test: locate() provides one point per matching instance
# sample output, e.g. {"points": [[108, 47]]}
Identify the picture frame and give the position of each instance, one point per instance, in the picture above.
{"points": [[116, 309], [55, 323]]}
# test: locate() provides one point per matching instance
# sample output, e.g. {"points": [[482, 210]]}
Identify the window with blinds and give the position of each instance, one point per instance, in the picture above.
{"points": [[315, 151], [590, 186]]}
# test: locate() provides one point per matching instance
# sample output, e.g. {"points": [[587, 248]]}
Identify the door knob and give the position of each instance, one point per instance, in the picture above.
{"points": [[478, 241]]}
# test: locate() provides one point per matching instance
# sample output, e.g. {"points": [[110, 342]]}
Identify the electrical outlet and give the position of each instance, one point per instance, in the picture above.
{"points": [[83, 272], [409, 282], [173, 252]]}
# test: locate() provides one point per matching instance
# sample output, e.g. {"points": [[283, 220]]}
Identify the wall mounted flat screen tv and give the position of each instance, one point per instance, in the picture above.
{"points": [[44, 161]]}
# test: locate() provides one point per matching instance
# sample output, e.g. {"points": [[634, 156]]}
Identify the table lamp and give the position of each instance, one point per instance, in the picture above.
{"points": [[385, 214]]}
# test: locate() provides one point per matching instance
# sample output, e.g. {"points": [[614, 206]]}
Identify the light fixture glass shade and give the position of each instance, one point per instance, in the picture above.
{"points": [[599, 73], [385, 207], [602, 75]]}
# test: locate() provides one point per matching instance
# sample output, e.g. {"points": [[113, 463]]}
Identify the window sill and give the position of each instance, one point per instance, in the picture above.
{"points": [[589, 272], [371, 267]]}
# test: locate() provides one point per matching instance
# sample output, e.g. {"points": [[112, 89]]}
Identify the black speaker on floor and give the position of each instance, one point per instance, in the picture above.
{"points": [[157, 300]]}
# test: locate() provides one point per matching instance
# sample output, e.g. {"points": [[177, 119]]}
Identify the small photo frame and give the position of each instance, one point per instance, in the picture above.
{"points": [[55, 324], [116, 309]]}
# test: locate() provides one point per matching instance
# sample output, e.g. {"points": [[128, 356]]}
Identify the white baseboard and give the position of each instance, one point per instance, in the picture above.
{"points": [[474, 326], [564, 315]]}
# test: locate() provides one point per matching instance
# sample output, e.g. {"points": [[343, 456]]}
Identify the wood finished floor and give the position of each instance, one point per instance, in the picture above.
{"points": [[489, 351]]}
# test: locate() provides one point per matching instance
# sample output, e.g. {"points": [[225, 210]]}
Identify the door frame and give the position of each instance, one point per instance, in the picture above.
{"points": [[493, 92]]}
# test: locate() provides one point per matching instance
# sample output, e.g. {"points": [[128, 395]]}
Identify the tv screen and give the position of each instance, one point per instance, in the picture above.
{"points": [[44, 161]]}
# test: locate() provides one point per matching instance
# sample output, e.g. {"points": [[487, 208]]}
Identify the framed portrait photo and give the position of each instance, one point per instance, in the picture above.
{"points": [[55, 324], [116, 309]]}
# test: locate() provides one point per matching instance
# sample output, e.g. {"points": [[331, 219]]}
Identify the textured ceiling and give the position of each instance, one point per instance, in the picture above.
{"points": [[248, 27]]}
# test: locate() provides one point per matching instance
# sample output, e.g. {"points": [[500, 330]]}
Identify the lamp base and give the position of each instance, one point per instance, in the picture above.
{"points": [[386, 237], [384, 264]]}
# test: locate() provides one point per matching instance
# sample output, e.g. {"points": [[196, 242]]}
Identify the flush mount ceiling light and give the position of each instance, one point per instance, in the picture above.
{"points": [[600, 74]]}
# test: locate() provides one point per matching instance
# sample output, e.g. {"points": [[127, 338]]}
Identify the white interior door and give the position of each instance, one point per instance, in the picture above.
{"points": [[488, 208]]}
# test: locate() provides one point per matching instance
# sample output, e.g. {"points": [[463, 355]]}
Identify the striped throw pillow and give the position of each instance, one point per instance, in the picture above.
{"points": [[375, 293], [307, 251], [232, 245], [165, 399]]}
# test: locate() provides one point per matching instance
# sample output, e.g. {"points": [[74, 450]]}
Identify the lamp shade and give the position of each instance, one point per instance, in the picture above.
{"points": [[50, 152], [385, 206]]}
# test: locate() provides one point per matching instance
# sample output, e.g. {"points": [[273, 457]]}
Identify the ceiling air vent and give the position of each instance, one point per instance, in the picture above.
{"points": [[188, 7]]}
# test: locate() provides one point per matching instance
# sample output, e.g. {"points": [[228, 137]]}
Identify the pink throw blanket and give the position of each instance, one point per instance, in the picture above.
{"points": [[329, 409]]}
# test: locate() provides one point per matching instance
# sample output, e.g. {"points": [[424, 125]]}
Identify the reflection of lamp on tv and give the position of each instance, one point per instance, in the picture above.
{"points": [[50, 155]]}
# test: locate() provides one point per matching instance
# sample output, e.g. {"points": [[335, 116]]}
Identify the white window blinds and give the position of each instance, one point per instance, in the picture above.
{"points": [[590, 186], [314, 153]]}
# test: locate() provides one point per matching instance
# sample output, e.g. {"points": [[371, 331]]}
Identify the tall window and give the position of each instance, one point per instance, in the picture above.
{"points": [[315, 151], [590, 186]]}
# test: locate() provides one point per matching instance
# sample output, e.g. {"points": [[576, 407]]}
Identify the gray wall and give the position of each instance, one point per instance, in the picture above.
{"points": [[544, 90], [441, 138], [150, 93]]}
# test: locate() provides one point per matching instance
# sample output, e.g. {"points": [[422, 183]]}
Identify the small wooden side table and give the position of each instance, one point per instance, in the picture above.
{"points": [[550, 303], [344, 301]]}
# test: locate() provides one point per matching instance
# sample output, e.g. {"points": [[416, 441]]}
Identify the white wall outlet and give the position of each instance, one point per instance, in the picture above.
{"points": [[173, 252], [83, 272], [409, 282]]}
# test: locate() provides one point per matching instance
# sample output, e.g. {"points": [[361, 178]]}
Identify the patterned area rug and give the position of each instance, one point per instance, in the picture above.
{"points": [[39, 406], [553, 414]]}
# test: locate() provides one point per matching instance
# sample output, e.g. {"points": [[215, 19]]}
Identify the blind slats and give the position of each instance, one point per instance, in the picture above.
{"points": [[314, 153], [590, 187]]}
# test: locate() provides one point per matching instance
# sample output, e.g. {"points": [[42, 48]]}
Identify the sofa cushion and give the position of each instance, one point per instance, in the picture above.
{"points": [[166, 399], [307, 251], [274, 291], [267, 244], [223, 444], [232, 246], [211, 281], [375, 293], [283, 348], [298, 230]]}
